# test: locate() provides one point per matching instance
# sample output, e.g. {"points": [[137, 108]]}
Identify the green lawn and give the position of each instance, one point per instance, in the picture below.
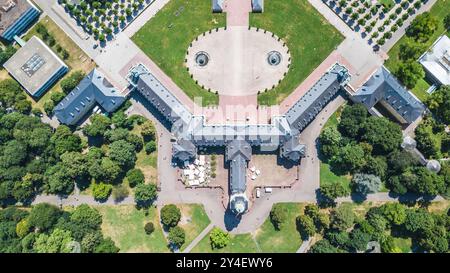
{"points": [[439, 10], [286, 240], [242, 243], [166, 38], [308, 35], [265, 239], [196, 221], [328, 177], [404, 244], [125, 225], [387, 3]]}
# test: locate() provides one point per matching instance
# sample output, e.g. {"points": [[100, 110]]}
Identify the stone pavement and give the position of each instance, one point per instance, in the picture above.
{"points": [[238, 12]]}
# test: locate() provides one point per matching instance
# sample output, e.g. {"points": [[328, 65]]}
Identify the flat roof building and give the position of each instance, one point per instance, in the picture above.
{"points": [[36, 67], [15, 17], [385, 89], [94, 89], [436, 61]]}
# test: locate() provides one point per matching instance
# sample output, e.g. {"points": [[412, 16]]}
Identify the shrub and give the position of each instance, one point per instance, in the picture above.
{"points": [[101, 191], [219, 238], [149, 228]]}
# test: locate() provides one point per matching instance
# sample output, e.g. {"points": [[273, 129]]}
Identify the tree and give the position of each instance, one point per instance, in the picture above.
{"points": [[44, 216], [150, 147], [219, 238], [358, 239], [411, 50], [109, 169], [352, 119], [106, 246], [376, 166], [148, 130], [435, 239], [177, 236], [384, 135], [101, 191], [334, 190], [65, 141], [418, 221], [395, 213], [427, 182], [422, 27], [75, 164], [123, 153], [135, 177], [99, 125], [439, 103], [70, 82], [366, 183], [14, 153], [330, 140], [170, 215], [90, 241], [278, 216], [57, 242], [58, 181], [149, 228], [447, 22], [342, 218], [399, 161], [6, 53], [305, 226], [23, 228], [145, 193], [409, 73], [351, 158], [323, 246], [86, 216]]}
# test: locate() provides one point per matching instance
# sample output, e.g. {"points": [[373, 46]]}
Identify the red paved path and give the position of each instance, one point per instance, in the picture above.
{"points": [[238, 12]]}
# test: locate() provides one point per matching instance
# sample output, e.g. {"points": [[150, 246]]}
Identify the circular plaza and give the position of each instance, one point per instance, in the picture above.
{"points": [[238, 61]]}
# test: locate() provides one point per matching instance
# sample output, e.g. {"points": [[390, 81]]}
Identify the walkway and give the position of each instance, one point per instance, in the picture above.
{"points": [[238, 12], [198, 238], [305, 245]]}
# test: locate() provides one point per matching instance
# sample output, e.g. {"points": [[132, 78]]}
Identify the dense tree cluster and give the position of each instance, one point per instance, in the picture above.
{"points": [[368, 148], [348, 232], [47, 229], [12, 97]]}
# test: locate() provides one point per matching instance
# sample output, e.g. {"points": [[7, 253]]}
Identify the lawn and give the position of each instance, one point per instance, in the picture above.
{"points": [[78, 60], [148, 163], [308, 35], [242, 243], [194, 221], [125, 225], [286, 240], [439, 10], [404, 244], [387, 3], [166, 38]]}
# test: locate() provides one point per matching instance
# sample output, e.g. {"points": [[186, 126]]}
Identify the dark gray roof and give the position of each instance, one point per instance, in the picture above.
{"points": [[217, 5], [236, 147], [293, 150], [309, 106], [184, 150], [383, 86], [238, 153], [238, 174], [94, 88], [257, 5], [162, 99]]}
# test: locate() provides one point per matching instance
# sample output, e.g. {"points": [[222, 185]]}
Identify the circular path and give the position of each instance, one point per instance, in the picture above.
{"points": [[238, 61]]}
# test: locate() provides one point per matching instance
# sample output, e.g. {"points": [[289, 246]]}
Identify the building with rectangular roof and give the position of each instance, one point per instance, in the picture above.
{"points": [[94, 89], [15, 17], [36, 67], [385, 89], [436, 61]]}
